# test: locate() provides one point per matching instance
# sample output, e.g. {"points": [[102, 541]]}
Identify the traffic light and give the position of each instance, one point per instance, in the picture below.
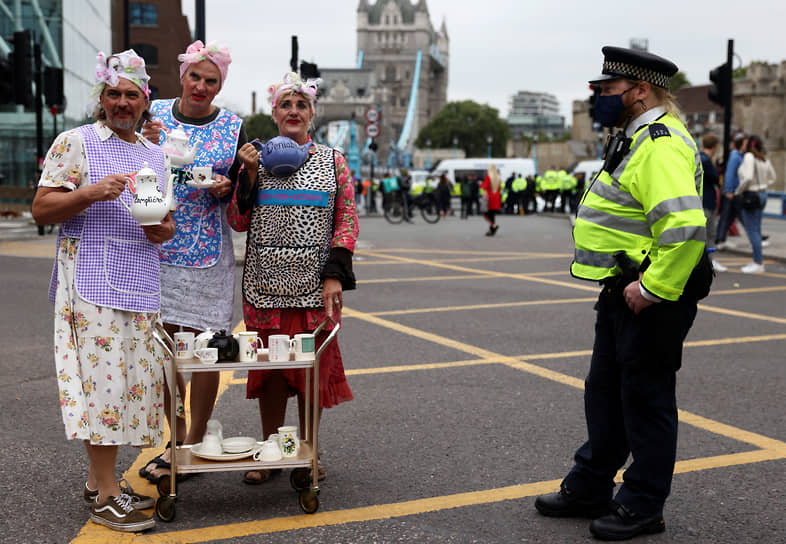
{"points": [[53, 86], [23, 69], [308, 70], [6, 79], [720, 90]]}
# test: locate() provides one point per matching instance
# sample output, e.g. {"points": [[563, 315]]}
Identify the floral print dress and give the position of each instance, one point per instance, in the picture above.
{"points": [[110, 369]]}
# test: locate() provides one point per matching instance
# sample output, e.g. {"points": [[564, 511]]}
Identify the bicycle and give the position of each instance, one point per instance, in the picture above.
{"points": [[396, 210]]}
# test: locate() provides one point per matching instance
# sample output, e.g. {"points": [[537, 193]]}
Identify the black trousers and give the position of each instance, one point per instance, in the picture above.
{"points": [[630, 402]]}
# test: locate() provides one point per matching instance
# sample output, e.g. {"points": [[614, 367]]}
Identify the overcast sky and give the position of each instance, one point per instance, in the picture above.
{"points": [[497, 47]]}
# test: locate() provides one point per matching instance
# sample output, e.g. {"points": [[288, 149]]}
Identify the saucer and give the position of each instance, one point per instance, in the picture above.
{"points": [[238, 444], [196, 450], [200, 185]]}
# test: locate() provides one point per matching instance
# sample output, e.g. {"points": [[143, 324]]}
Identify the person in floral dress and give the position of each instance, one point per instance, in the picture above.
{"points": [[298, 257], [105, 286]]}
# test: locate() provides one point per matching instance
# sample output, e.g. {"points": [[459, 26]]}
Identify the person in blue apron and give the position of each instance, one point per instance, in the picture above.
{"points": [[198, 264], [302, 227], [105, 286]]}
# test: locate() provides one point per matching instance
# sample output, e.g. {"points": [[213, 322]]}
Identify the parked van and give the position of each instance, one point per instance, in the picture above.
{"points": [[589, 168], [458, 169]]}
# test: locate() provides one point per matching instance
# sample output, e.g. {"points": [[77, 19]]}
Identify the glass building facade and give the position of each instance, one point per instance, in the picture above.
{"points": [[69, 32]]}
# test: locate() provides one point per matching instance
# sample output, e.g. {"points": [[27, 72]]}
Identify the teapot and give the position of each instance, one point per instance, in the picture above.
{"points": [[149, 206], [281, 156], [227, 346], [177, 149], [202, 339]]}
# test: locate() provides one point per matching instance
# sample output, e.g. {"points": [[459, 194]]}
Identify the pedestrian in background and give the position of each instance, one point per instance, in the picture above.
{"points": [[756, 174], [730, 206], [640, 232], [709, 145], [444, 188], [105, 286], [491, 186]]}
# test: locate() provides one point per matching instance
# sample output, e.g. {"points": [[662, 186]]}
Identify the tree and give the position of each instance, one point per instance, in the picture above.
{"points": [[678, 81], [260, 125], [470, 124]]}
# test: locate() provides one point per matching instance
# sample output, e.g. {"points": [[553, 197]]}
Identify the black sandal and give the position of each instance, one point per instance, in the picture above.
{"points": [[159, 462]]}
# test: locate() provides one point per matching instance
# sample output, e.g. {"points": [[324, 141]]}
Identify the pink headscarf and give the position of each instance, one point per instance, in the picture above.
{"points": [[215, 52]]}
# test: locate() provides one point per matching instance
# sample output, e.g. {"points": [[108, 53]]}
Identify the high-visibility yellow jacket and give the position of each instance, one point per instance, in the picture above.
{"points": [[650, 205], [519, 184]]}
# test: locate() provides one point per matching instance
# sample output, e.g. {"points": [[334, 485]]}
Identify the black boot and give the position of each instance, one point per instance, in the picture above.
{"points": [[567, 504], [622, 524]]}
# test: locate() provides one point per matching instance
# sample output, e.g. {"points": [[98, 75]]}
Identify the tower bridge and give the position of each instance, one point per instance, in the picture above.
{"points": [[402, 70]]}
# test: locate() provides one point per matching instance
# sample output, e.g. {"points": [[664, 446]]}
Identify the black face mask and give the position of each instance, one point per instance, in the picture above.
{"points": [[609, 108]]}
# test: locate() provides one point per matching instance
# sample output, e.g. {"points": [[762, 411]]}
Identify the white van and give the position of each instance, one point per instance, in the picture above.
{"points": [[457, 169], [589, 168]]}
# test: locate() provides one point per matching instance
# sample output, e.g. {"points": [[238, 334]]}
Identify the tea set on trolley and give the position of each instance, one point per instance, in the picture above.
{"points": [[242, 351]]}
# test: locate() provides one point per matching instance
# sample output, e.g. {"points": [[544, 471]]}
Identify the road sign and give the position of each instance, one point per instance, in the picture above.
{"points": [[373, 115], [372, 130]]}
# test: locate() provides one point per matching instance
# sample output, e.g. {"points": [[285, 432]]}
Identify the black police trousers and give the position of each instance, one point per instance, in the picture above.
{"points": [[630, 402]]}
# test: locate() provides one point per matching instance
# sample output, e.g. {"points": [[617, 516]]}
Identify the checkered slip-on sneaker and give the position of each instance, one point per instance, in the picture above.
{"points": [[138, 501], [118, 514]]}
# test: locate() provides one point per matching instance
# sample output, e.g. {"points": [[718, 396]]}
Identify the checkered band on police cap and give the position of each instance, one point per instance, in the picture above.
{"points": [[620, 62]]}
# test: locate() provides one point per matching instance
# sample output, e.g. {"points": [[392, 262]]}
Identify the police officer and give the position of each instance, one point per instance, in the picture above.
{"points": [[640, 231]]}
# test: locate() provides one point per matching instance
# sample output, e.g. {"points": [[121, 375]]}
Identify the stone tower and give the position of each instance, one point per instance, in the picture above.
{"points": [[389, 34]]}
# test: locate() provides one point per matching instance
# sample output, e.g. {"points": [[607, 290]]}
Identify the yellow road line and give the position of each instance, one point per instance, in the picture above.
{"points": [[425, 278], [397, 509], [484, 306]]}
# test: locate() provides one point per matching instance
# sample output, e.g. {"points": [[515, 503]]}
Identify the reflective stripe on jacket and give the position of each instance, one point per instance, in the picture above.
{"points": [[649, 206]]}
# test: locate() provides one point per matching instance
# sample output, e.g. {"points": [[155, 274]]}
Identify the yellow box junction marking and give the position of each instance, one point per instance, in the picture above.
{"points": [[769, 449]]}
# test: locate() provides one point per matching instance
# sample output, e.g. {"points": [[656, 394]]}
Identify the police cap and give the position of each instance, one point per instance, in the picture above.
{"points": [[619, 62]]}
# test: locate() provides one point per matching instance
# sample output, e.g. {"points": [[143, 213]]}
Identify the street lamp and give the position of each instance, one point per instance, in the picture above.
{"points": [[489, 139], [428, 154], [455, 147]]}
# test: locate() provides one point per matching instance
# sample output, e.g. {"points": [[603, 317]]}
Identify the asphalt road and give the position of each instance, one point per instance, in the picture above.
{"points": [[466, 356]]}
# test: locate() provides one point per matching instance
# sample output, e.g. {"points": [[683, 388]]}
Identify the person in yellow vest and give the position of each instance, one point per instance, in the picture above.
{"points": [[550, 188], [566, 186], [640, 232], [518, 190]]}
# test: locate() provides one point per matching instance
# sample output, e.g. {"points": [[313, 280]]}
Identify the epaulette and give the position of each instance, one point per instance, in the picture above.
{"points": [[658, 130]]}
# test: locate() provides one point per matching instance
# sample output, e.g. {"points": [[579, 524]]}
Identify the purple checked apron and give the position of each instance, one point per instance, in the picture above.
{"points": [[117, 266], [197, 240]]}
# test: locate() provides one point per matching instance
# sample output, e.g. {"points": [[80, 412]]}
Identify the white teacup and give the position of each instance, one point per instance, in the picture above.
{"points": [[211, 444], [270, 451], [184, 345], [202, 174], [305, 346], [207, 356], [279, 346]]}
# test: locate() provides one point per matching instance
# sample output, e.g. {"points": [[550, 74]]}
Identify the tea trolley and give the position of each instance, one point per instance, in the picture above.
{"points": [[184, 462]]}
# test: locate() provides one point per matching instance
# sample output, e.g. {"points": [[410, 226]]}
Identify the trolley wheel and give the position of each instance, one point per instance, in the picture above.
{"points": [[165, 508], [164, 485], [308, 500], [300, 479]]}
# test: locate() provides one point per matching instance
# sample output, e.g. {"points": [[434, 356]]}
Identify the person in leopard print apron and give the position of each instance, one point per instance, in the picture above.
{"points": [[301, 233]]}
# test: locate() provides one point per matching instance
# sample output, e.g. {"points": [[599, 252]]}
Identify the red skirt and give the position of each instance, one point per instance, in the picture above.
{"points": [[333, 386]]}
